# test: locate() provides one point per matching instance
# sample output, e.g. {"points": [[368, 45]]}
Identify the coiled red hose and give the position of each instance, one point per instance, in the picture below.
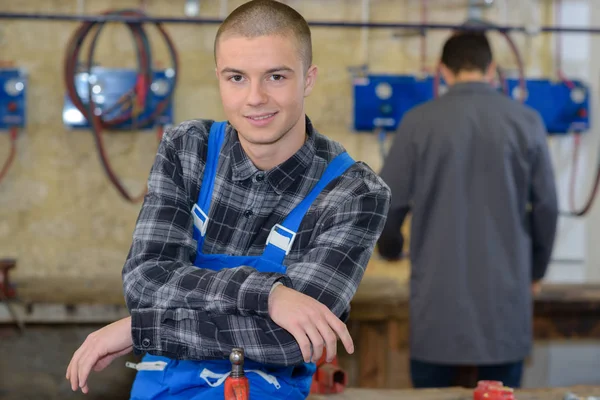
{"points": [[576, 137], [12, 153], [134, 99]]}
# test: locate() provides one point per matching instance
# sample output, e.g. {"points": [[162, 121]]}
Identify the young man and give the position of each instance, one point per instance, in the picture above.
{"points": [[254, 234], [474, 169]]}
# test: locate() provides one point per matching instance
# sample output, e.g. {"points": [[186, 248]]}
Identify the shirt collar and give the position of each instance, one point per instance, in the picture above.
{"points": [[281, 176], [471, 87]]}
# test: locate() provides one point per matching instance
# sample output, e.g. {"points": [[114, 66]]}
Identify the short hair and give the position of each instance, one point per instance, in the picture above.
{"points": [[268, 17], [467, 51]]}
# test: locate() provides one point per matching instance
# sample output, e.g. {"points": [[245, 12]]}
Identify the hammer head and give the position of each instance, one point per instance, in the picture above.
{"points": [[236, 357]]}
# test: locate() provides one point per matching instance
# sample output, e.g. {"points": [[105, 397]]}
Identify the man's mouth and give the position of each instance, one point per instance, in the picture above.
{"points": [[260, 117]]}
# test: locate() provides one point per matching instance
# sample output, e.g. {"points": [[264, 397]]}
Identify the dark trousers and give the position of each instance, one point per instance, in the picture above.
{"points": [[429, 375]]}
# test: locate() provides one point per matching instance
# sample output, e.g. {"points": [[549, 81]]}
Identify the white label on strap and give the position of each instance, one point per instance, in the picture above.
{"points": [[147, 365]]}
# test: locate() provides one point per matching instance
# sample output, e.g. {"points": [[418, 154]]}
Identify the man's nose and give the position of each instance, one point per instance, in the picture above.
{"points": [[257, 94]]}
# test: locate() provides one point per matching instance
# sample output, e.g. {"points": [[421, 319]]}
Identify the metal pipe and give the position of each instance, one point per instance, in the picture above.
{"points": [[330, 24], [364, 34]]}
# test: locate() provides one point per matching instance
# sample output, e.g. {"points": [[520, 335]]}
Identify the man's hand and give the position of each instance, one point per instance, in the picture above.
{"points": [[309, 322], [98, 351], [536, 288]]}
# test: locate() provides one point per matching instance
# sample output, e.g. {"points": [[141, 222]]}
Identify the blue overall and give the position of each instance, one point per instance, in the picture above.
{"points": [[164, 378]]}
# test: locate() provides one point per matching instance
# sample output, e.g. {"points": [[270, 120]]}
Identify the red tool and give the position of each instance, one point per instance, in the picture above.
{"points": [[6, 288], [236, 384], [492, 390], [499, 393], [329, 378], [483, 386], [8, 292]]}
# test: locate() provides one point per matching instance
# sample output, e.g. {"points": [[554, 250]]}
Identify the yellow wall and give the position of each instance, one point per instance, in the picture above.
{"points": [[59, 215]]}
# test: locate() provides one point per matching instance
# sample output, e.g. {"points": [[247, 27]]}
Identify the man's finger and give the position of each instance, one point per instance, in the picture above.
{"points": [[75, 356], [303, 342], [329, 337], [316, 340], [342, 332], [74, 378], [68, 369], [74, 369], [86, 364]]}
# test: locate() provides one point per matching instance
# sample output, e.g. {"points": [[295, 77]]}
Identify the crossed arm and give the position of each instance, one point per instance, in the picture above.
{"points": [[182, 311]]}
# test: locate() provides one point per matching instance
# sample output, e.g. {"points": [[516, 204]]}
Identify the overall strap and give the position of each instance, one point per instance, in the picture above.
{"points": [[201, 209], [282, 235]]}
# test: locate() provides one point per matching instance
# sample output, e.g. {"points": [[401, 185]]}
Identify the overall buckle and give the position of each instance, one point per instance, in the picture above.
{"points": [[277, 239], [200, 219]]}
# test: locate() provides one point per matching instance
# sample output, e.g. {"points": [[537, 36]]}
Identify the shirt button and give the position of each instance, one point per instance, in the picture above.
{"points": [[248, 213], [260, 177], [146, 342]]}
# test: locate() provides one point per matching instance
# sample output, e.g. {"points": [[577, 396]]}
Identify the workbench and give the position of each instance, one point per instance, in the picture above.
{"points": [[455, 394], [378, 319]]}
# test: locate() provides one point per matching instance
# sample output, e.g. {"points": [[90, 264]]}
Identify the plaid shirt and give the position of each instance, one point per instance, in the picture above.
{"points": [[181, 311]]}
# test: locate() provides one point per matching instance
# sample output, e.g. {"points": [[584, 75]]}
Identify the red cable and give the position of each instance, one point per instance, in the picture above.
{"points": [[11, 155], [558, 49], [575, 164], [160, 131], [424, 13], [576, 135], [144, 78], [594, 192]]}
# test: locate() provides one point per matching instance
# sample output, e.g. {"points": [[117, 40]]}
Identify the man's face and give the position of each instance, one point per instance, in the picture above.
{"points": [[263, 85]]}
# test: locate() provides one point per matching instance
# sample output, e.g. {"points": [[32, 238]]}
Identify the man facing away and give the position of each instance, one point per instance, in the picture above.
{"points": [[474, 170], [255, 233]]}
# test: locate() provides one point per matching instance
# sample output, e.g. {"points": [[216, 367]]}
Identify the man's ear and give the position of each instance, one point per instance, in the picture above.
{"points": [[490, 73], [448, 75], [310, 80]]}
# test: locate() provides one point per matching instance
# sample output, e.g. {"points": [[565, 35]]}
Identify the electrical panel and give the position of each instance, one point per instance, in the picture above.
{"points": [[564, 106], [13, 88], [113, 92], [380, 101]]}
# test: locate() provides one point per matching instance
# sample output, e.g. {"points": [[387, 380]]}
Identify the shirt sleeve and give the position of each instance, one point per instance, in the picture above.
{"points": [[330, 271], [398, 172], [159, 277], [544, 204]]}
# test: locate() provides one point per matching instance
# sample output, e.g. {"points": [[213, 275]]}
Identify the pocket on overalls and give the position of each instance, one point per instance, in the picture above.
{"points": [[186, 382], [299, 381], [208, 382], [150, 379], [265, 384]]}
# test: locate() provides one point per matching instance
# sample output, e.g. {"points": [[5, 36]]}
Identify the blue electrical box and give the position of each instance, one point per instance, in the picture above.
{"points": [[13, 88], [108, 86], [380, 101], [564, 110]]}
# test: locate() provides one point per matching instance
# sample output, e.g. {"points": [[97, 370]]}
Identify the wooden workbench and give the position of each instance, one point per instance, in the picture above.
{"points": [[456, 394], [378, 320]]}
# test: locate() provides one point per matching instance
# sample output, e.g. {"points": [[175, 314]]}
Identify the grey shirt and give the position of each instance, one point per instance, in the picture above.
{"points": [[474, 170]]}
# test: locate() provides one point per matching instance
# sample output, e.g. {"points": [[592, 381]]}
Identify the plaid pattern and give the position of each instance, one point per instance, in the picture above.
{"points": [[181, 311]]}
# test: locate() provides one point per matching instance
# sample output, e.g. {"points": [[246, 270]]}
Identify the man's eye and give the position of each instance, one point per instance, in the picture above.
{"points": [[236, 78], [277, 77]]}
